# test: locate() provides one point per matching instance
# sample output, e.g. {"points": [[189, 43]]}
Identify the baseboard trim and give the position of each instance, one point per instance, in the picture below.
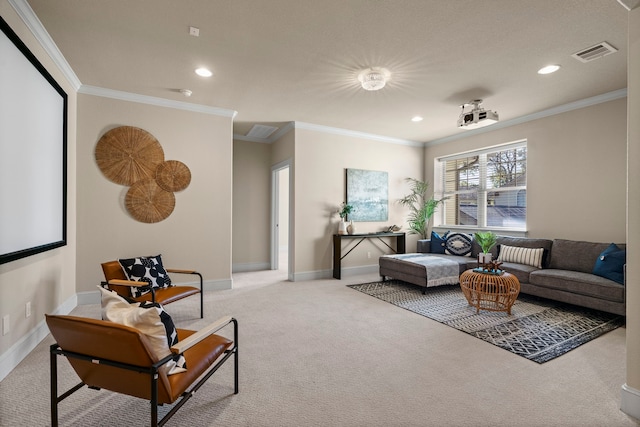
{"points": [[630, 401], [250, 266], [21, 349]]}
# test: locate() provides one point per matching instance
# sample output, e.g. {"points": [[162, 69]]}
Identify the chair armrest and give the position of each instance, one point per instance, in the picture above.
{"points": [[127, 283], [192, 340], [179, 271]]}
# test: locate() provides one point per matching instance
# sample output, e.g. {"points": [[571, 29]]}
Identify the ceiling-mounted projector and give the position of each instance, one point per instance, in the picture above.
{"points": [[477, 117]]}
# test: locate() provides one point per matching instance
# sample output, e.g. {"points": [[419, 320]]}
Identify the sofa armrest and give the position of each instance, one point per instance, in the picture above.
{"points": [[424, 246]]}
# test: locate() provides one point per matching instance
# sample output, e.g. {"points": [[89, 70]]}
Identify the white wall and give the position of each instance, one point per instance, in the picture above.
{"points": [[576, 171]]}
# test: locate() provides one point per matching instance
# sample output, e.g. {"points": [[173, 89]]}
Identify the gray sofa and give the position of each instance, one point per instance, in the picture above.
{"points": [[566, 273]]}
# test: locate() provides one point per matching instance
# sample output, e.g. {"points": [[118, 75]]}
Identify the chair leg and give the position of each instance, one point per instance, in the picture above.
{"points": [[235, 356], [201, 296], [54, 387]]}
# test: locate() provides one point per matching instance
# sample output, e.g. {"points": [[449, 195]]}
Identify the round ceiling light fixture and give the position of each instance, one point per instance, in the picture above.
{"points": [[549, 69], [374, 78], [203, 72]]}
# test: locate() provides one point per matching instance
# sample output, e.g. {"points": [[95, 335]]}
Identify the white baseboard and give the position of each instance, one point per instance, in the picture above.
{"points": [[250, 266], [21, 349], [630, 401]]}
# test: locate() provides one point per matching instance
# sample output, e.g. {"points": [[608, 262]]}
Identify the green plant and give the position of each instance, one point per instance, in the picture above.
{"points": [[486, 239], [421, 207], [345, 209]]}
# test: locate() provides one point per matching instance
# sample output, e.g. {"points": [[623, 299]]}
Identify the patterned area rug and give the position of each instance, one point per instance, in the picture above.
{"points": [[538, 329]]}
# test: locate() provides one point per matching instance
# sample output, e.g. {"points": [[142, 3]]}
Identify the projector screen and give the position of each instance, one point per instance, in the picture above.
{"points": [[33, 153]]}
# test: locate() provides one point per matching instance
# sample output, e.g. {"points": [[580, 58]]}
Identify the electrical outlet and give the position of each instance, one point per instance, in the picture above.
{"points": [[27, 309], [193, 31], [368, 254], [6, 324]]}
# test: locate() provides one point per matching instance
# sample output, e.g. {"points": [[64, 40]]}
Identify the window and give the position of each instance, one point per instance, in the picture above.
{"points": [[485, 188]]}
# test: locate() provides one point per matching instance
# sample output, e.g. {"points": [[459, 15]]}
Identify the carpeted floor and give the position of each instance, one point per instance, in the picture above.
{"points": [[538, 329]]}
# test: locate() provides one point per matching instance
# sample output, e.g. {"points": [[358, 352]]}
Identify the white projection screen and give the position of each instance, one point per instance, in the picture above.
{"points": [[33, 153]]}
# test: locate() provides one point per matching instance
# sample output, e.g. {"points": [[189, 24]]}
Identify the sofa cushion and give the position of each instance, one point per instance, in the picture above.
{"points": [[521, 271], [576, 255], [578, 283], [438, 242], [458, 244], [518, 255], [610, 264], [525, 242]]}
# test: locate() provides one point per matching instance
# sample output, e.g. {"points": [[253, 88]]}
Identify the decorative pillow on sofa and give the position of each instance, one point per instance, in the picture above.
{"points": [[145, 269], [458, 244], [610, 264], [518, 255], [150, 319], [438, 243]]}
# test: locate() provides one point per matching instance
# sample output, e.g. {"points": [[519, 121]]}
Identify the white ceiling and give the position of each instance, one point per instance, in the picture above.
{"points": [[276, 61]]}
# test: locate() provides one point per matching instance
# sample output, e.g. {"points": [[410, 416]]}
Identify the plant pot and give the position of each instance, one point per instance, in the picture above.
{"points": [[484, 258]]}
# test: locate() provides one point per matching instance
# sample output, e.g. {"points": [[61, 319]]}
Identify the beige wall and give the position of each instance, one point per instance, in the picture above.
{"points": [[576, 171], [631, 400], [251, 205], [197, 235], [320, 162], [46, 280]]}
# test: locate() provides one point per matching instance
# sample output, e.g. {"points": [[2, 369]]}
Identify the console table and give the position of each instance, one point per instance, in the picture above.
{"points": [[337, 246]]}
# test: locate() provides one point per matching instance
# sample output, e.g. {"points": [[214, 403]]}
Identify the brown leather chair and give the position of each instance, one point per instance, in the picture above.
{"points": [[118, 358], [117, 281]]}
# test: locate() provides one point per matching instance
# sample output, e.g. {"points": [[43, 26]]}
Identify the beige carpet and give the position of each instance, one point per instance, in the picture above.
{"points": [[317, 353]]}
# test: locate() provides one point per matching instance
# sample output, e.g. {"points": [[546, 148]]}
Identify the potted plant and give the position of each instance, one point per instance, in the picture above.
{"points": [[421, 207], [344, 211], [487, 240]]}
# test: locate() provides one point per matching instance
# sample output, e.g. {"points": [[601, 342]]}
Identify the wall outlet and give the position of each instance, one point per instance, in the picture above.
{"points": [[6, 324], [27, 309], [368, 254]]}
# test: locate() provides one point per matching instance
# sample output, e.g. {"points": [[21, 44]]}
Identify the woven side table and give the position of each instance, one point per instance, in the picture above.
{"points": [[486, 291]]}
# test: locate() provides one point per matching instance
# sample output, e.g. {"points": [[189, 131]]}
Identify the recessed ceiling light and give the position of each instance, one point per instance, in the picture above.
{"points": [[548, 69], [417, 119], [203, 72]]}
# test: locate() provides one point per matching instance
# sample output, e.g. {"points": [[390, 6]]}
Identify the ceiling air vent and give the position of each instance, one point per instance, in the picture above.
{"points": [[261, 131], [594, 52]]}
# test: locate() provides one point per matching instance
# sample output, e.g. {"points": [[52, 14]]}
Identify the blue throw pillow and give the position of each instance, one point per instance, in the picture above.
{"points": [[438, 242], [610, 264]]}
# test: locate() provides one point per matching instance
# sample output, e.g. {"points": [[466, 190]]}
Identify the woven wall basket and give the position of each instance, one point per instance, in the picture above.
{"points": [[149, 203], [173, 175], [128, 154]]}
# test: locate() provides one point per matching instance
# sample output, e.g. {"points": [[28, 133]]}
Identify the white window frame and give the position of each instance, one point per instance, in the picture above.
{"points": [[439, 190]]}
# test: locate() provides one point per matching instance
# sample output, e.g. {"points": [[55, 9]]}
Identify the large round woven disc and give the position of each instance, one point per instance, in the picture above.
{"points": [[128, 154], [149, 203], [173, 175]]}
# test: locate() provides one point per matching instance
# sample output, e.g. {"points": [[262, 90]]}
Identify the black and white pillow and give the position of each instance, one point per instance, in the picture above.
{"points": [[145, 269], [458, 244], [150, 319]]}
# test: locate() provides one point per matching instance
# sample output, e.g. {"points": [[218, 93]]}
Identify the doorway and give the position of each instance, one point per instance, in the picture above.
{"points": [[280, 217]]}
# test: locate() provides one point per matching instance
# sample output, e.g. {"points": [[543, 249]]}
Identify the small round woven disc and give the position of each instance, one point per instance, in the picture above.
{"points": [[173, 175], [149, 203], [128, 154]]}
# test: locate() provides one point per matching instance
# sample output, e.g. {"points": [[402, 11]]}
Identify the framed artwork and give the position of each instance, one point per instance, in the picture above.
{"points": [[33, 153], [368, 192]]}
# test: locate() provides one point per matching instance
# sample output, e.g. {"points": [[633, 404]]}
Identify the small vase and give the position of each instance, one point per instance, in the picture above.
{"points": [[351, 228], [342, 227]]}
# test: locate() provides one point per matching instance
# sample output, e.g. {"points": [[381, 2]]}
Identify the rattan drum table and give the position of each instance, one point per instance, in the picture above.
{"points": [[490, 291]]}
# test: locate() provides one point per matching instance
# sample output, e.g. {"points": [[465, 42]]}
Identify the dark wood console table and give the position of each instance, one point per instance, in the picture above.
{"points": [[337, 246]]}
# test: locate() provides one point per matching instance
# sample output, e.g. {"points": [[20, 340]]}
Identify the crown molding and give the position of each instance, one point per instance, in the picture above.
{"points": [[356, 134], [32, 22], [152, 100], [587, 102]]}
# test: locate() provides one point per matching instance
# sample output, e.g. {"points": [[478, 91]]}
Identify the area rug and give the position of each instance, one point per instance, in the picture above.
{"points": [[538, 329]]}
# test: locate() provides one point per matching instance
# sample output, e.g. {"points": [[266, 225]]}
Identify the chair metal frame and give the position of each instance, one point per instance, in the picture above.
{"points": [[152, 371]]}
